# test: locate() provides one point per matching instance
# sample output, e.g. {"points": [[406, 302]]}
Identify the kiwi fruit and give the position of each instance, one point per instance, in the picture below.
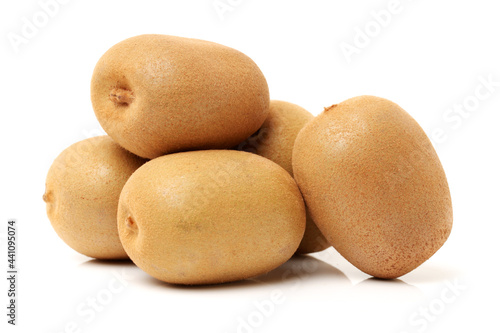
{"points": [[81, 193], [374, 185], [158, 94], [208, 217], [274, 140]]}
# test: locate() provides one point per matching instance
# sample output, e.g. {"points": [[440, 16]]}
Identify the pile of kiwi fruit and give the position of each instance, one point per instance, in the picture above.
{"points": [[202, 179]]}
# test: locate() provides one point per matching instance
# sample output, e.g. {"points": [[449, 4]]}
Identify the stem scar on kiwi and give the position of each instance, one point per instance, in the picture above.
{"points": [[131, 224], [330, 108], [121, 96], [48, 198]]}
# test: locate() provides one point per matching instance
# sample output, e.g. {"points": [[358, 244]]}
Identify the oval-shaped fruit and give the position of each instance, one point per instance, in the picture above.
{"points": [[206, 217], [158, 94], [374, 185], [82, 191], [274, 140]]}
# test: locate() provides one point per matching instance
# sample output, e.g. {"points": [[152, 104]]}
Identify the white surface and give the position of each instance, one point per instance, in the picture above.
{"points": [[430, 57]]}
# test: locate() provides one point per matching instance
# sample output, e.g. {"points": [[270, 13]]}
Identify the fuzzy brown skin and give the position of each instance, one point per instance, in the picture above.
{"points": [[374, 185], [158, 94], [274, 141], [82, 191], [207, 217]]}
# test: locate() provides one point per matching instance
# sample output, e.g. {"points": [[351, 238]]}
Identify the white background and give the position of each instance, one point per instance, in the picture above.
{"points": [[431, 56]]}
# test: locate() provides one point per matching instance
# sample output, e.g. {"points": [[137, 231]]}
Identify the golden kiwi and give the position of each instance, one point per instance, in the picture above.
{"points": [[82, 191], [206, 217], [274, 140], [158, 94], [374, 185]]}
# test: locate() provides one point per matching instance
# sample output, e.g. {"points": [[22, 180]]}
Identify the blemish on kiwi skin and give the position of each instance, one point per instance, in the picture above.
{"points": [[329, 108], [121, 96]]}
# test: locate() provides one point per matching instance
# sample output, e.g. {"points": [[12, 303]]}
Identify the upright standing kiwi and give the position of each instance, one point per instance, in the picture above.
{"points": [[82, 191], [274, 140], [158, 94], [210, 216], [374, 185]]}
